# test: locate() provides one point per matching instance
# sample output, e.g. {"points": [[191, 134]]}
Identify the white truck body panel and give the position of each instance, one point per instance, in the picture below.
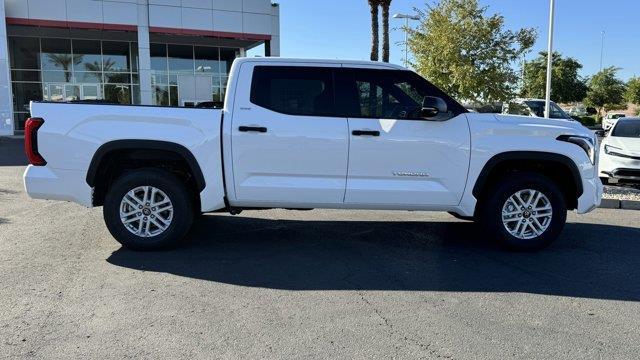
{"points": [[73, 133]]}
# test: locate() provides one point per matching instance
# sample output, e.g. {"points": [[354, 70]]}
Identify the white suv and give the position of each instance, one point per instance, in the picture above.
{"points": [[620, 152]]}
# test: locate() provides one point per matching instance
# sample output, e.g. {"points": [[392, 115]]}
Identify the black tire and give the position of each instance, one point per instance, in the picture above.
{"points": [[176, 191], [490, 215]]}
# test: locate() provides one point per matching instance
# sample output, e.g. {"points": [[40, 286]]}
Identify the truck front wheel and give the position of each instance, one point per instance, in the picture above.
{"points": [[524, 211], [148, 209]]}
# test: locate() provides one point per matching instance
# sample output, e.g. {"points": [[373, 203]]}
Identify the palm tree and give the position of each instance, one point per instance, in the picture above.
{"points": [[385, 29], [64, 61], [375, 37]]}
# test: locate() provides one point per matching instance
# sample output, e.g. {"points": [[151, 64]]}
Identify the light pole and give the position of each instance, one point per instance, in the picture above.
{"points": [[601, 49], [547, 100], [406, 34]]}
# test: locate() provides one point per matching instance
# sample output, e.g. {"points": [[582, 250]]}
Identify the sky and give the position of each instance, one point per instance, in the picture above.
{"points": [[340, 29]]}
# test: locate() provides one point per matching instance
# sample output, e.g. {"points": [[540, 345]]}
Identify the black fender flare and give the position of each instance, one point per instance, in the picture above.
{"points": [[133, 144], [524, 156]]}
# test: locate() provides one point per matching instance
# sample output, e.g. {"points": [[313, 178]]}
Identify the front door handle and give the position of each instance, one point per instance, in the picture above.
{"points": [[259, 129], [365, 133]]}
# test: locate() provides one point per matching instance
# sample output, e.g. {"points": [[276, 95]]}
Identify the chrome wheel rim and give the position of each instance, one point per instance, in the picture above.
{"points": [[146, 211], [527, 214]]}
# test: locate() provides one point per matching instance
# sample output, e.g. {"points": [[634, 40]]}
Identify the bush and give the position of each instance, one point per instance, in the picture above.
{"points": [[585, 120]]}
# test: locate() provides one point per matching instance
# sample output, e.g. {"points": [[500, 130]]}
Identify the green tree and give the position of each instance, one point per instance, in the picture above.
{"points": [[606, 91], [566, 85], [375, 34], [466, 52], [632, 94]]}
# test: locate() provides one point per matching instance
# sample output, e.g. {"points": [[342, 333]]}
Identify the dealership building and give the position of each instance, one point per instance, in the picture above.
{"points": [[148, 52]]}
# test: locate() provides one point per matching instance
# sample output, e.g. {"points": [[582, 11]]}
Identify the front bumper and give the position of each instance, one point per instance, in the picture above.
{"points": [[591, 197], [43, 182], [619, 168]]}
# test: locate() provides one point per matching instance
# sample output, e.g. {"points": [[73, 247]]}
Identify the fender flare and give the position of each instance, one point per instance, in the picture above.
{"points": [[132, 144], [527, 155]]}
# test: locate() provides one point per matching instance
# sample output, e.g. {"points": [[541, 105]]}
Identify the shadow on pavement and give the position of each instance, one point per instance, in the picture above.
{"points": [[12, 152], [589, 261]]}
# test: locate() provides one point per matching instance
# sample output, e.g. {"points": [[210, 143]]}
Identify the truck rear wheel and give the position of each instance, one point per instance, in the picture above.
{"points": [[148, 209], [526, 211]]}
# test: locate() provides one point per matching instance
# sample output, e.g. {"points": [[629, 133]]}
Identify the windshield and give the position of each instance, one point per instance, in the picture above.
{"points": [[627, 128], [538, 108]]}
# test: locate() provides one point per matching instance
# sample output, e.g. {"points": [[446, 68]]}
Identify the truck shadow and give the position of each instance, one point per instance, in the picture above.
{"points": [[588, 261]]}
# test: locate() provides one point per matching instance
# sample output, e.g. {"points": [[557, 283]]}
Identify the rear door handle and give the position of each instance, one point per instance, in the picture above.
{"points": [[259, 129], [365, 133]]}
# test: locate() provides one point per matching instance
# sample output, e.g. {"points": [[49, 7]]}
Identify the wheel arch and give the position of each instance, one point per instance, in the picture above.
{"points": [[144, 148], [558, 167]]}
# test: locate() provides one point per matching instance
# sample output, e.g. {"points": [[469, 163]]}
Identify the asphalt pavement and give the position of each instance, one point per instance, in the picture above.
{"points": [[316, 284]]}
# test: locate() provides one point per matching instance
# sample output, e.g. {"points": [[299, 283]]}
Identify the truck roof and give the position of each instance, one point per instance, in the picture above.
{"points": [[319, 62]]}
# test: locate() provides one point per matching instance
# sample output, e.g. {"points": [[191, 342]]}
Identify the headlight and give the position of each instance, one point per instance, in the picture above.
{"points": [[587, 143], [615, 151]]}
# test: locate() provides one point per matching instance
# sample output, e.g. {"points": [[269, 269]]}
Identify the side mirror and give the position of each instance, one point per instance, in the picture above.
{"points": [[432, 106]]}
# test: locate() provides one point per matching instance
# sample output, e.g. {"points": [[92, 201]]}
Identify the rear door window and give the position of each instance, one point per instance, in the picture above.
{"points": [[294, 90]]}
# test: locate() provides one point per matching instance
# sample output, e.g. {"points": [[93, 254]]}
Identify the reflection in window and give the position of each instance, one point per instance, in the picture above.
{"points": [[207, 60], [89, 54], [181, 58], [69, 70], [183, 66], [116, 56], [24, 53], [118, 94]]}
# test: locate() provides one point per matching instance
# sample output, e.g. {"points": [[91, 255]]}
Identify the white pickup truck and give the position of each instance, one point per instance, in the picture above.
{"points": [[303, 134]]}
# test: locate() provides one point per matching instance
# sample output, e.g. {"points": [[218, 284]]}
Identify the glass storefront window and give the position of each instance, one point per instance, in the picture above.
{"points": [[23, 93], [116, 56], [181, 58], [24, 53], [118, 93], [71, 69], [227, 56], [159, 57], [56, 55], [54, 69], [207, 59], [193, 74], [90, 55]]}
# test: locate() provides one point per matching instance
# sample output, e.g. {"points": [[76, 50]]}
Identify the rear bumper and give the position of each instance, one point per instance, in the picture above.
{"points": [[42, 182]]}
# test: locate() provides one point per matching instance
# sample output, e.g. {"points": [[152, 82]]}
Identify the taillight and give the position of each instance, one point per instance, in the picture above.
{"points": [[31, 141]]}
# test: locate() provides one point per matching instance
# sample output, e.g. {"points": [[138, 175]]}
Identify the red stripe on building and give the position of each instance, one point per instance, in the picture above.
{"points": [[209, 33]]}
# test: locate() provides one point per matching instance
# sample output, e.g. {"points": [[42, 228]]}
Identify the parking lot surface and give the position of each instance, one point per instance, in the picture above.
{"points": [[316, 284]]}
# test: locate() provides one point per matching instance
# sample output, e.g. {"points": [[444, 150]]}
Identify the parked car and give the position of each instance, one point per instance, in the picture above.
{"points": [[578, 110], [620, 152], [610, 120], [534, 107], [303, 134]]}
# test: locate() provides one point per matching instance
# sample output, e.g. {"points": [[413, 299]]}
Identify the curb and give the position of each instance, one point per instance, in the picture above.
{"points": [[620, 204]]}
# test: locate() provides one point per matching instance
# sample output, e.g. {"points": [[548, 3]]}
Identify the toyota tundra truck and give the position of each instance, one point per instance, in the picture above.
{"points": [[305, 134]]}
